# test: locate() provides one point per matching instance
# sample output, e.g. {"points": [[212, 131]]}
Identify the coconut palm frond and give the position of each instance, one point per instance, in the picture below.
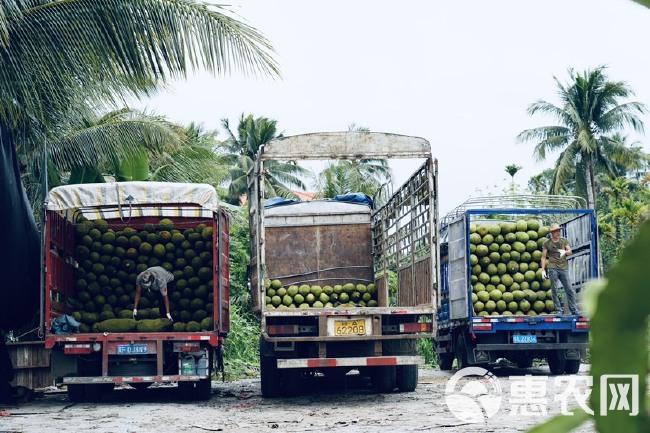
{"points": [[116, 136], [590, 109], [114, 45]]}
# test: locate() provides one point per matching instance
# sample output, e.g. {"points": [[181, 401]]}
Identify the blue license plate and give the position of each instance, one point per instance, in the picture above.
{"points": [[132, 349], [524, 338]]}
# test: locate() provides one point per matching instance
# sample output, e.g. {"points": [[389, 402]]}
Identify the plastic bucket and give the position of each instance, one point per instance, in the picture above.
{"points": [[188, 366]]}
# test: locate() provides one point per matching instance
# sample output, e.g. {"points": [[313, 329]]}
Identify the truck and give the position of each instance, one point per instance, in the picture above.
{"points": [[466, 328], [98, 237], [375, 265]]}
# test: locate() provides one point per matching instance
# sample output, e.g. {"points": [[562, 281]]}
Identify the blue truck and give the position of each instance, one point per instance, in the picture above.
{"points": [[493, 301]]}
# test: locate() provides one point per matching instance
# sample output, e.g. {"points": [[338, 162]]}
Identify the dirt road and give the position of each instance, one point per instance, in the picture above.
{"points": [[239, 406]]}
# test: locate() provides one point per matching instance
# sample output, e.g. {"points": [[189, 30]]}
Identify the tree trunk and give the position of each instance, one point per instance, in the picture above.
{"points": [[590, 184]]}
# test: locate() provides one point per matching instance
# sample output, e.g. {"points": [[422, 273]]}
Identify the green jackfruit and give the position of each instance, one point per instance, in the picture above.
{"points": [[165, 224], [117, 325], [179, 327], [153, 325], [193, 326]]}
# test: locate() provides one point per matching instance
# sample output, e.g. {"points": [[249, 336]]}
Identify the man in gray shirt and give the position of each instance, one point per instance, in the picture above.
{"points": [[155, 279]]}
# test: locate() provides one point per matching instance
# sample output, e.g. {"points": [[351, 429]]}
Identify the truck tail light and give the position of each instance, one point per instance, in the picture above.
{"points": [[77, 349], [187, 346], [582, 323], [282, 329], [482, 326], [414, 327]]}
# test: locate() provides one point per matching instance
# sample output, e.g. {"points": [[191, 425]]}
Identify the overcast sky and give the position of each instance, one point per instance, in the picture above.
{"points": [[458, 73]]}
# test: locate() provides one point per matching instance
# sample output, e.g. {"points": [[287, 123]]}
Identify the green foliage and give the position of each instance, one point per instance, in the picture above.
{"points": [[361, 175], [239, 259], [589, 116], [242, 345], [623, 205], [620, 321], [241, 149]]}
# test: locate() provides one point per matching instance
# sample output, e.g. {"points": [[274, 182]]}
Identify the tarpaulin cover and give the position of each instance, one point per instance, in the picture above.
{"points": [[20, 257], [115, 193], [279, 201], [356, 197]]}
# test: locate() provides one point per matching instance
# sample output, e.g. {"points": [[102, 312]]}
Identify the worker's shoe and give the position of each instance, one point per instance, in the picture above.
{"points": [[559, 313]]}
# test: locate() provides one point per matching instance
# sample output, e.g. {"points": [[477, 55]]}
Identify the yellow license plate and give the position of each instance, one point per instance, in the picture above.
{"points": [[349, 327]]}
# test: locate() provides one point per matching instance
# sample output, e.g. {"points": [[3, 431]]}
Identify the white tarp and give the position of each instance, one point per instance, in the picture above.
{"points": [[146, 196]]}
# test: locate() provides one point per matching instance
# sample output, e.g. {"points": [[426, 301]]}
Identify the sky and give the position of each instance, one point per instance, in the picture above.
{"points": [[459, 73]]}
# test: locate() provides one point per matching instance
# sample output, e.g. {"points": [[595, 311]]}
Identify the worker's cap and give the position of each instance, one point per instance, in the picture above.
{"points": [[554, 227], [147, 279]]}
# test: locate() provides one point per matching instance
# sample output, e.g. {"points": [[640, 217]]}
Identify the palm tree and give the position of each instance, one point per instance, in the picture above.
{"points": [[60, 60], [118, 144], [242, 148], [512, 169], [590, 112], [361, 175], [195, 161]]}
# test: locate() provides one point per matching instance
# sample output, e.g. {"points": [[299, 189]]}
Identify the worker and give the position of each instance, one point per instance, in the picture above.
{"points": [[155, 279], [555, 251]]}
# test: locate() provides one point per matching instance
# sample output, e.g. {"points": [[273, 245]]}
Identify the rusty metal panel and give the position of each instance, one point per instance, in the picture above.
{"points": [[346, 145], [31, 361], [325, 255]]}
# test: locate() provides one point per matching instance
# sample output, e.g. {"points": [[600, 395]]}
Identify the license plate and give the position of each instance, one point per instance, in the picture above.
{"points": [[132, 349], [524, 338], [350, 327]]}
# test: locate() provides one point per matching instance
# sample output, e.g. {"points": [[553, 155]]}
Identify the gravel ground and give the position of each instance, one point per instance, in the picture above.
{"points": [[355, 407]]}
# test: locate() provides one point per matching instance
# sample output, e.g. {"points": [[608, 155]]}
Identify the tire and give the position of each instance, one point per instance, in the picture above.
{"points": [[203, 389], [384, 378], [407, 378], [76, 393], [269, 376], [291, 384], [572, 366], [555, 364], [461, 352], [445, 361]]}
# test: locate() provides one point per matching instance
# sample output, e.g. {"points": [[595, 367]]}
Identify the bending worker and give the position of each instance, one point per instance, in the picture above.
{"points": [[155, 279]]}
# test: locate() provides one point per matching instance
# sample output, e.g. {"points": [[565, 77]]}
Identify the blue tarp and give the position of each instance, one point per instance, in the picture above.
{"points": [[356, 197], [65, 325], [279, 201]]}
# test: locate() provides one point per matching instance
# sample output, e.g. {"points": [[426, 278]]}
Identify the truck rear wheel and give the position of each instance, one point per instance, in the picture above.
{"points": [[445, 361], [269, 374], [407, 378], [384, 378], [291, 383], [461, 352], [572, 366], [555, 364]]}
